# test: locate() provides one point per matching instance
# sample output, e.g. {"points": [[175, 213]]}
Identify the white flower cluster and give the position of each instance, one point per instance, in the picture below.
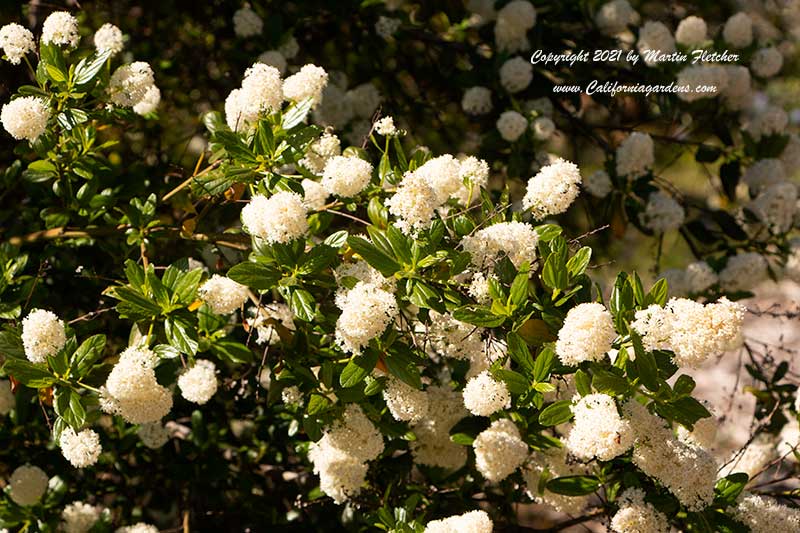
{"points": [[696, 278], [25, 117], [16, 41], [695, 76], [517, 240], [308, 82], [499, 450], [320, 152], [43, 335], [266, 317], [81, 449], [79, 517], [553, 189], [366, 311], [340, 457], [153, 434], [60, 28], [414, 203], [292, 395], [109, 38], [247, 23], [598, 432], [614, 17], [452, 338], [654, 37], [273, 58], [543, 128], [477, 101], [552, 463], [738, 30], [766, 62], [513, 22], [346, 176], [703, 434], [511, 125], [587, 334], [471, 522], [662, 213], [738, 91], [28, 484], [635, 155], [139, 527], [743, 271], [765, 122], [687, 471], [132, 391], [484, 395], [598, 183], [222, 294], [756, 455], [386, 27], [405, 403], [385, 126], [764, 173], [7, 398], [693, 331], [764, 515], [775, 208], [134, 86], [199, 383], [433, 446], [637, 516], [340, 107], [691, 31], [261, 93], [281, 218], [516, 74]]}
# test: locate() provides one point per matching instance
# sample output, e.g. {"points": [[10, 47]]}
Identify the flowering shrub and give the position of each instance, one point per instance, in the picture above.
{"points": [[376, 336]]}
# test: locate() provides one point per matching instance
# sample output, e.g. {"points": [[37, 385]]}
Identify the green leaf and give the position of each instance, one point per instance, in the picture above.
{"points": [[86, 354], [403, 367], [186, 285], [358, 368], [462, 439], [254, 275], [317, 404], [556, 413], [583, 383], [29, 374], [133, 305], [88, 68], [235, 146], [264, 140], [519, 289], [658, 293], [520, 353], [478, 316], [645, 364], [55, 73], [554, 273], [159, 291], [578, 263], [296, 113], [543, 364], [573, 485], [181, 334], [610, 383], [372, 255], [684, 385], [548, 232], [67, 404], [337, 239], [319, 258], [303, 305], [399, 243], [232, 351], [516, 382], [728, 489], [11, 344]]}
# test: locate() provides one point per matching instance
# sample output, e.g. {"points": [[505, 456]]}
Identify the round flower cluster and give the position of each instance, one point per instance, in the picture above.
{"points": [[28, 484], [587, 334], [132, 85], [320, 151], [16, 41], [499, 450], [703, 434], [386, 127], [43, 335], [132, 391], [81, 449], [452, 338], [386, 27], [699, 276], [266, 318], [109, 38], [414, 204], [474, 175], [693, 331], [763, 123], [153, 435], [199, 383], [551, 463], [738, 30], [511, 125], [79, 517], [477, 101], [292, 395], [405, 403], [516, 74], [654, 37], [247, 23], [743, 271], [471, 522], [149, 103], [261, 93], [340, 457], [61, 28], [662, 213], [553, 189], [635, 155], [517, 240], [756, 456], [346, 176], [222, 294], [366, 311], [766, 62], [484, 395], [598, 184], [281, 218], [598, 432], [692, 31], [275, 59], [614, 17], [637, 516], [433, 446], [513, 22], [7, 398], [764, 515], [309, 82], [139, 527], [25, 117], [775, 208], [543, 128], [738, 91], [695, 76], [764, 173]]}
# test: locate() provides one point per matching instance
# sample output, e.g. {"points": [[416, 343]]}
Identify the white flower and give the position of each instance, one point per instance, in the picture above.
{"points": [[346, 176], [598, 432], [637, 516], [314, 195], [513, 22], [654, 38], [309, 82], [320, 151], [484, 395], [246, 22], [518, 240], [614, 17], [280, 218], [764, 515], [79, 517], [738, 31], [449, 337], [7, 399], [769, 121], [443, 174], [757, 455], [335, 109], [635, 155], [262, 89], [28, 484], [543, 128], [16, 41], [109, 37], [291, 395], [662, 213], [81, 449], [691, 31], [551, 463], [511, 125], [775, 207], [791, 155], [386, 127], [149, 102], [499, 450], [61, 28], [43, 335], [222, 294], [764, 173], [405, 403], [706, 76], [132, 391], [289, 48], [386, 27], [153, 434], [766, 62], [433, 446], [139, 527], [266, 317], [273, 58], [737, 91], [414, 203], [471, 522], [130, 83], [365, 99], [700, 276], [26, 117], [703, 434], [474, 175], [477, 101], [553, 189], [743, 271], [199, 383], [587, 334], [598, 183], [516, 74], [366, 311]]}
